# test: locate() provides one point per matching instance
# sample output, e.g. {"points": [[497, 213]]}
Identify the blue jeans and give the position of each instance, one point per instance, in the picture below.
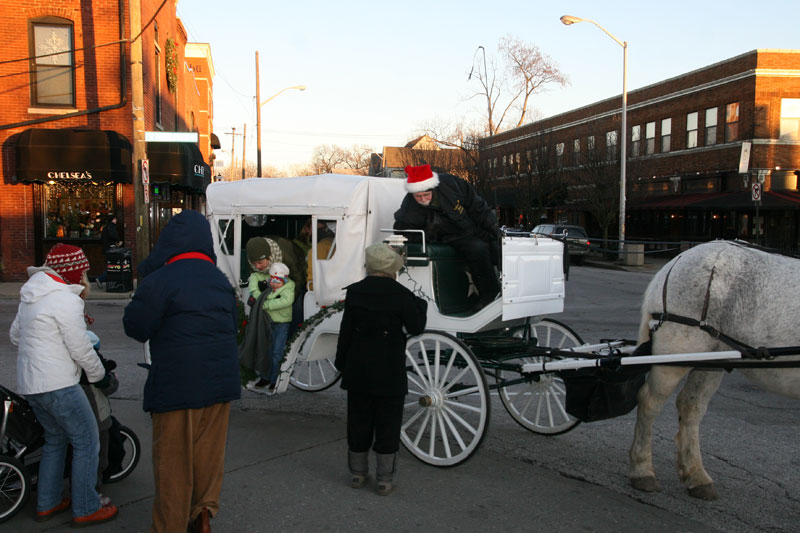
{"points": [[67, 418], [280, 333]]}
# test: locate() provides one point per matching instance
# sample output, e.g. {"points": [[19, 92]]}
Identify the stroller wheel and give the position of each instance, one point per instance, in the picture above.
{"points": [[126, 461], [15, 486]]}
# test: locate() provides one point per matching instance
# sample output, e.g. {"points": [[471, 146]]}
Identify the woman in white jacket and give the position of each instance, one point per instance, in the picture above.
{"points": [[50, 331]]}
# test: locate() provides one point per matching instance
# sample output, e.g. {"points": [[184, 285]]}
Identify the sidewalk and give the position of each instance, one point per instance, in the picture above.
{"points": [[286, 471], [652, 264], [10, 291]]}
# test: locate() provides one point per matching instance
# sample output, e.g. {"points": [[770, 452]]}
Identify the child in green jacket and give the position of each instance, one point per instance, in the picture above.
{"points": [[278, 304]]}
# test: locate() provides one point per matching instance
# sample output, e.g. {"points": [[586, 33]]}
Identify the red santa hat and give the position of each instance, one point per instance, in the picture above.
{"points": [[421, 178], [68, 261]]}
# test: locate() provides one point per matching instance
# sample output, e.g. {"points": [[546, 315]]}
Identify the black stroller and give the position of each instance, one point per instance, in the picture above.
{"points": [[21, 440]]}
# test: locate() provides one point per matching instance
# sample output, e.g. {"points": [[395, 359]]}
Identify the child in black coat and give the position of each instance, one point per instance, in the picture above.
{"points": [[378, 314]]}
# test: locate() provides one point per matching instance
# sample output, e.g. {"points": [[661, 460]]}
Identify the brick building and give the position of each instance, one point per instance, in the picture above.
{"points": [[68, 125], [688, 139]]}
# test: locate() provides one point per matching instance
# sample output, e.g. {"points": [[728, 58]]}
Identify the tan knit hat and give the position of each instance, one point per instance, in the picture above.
{"points": [[382, 259]]}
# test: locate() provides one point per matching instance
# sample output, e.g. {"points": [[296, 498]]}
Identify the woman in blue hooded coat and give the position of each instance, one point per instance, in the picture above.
{"points": [[186, 308]]}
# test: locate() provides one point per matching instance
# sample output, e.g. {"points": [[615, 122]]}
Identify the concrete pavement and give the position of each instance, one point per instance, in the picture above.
{"points": [[287, 471]]}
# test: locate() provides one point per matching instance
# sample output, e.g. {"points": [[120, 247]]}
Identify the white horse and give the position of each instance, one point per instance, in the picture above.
{"points": [[747, 294]]}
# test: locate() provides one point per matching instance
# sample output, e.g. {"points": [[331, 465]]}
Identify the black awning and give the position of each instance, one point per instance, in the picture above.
{"points": [[215, 145], [72, 154], [179, 164]]}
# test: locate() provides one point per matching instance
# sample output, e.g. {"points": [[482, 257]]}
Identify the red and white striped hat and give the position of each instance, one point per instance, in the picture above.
{"points": [[68, 261], [421, 178]]}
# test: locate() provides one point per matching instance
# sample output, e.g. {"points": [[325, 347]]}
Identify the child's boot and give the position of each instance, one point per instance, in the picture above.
{"points": [[384, 472], [358, 462]]}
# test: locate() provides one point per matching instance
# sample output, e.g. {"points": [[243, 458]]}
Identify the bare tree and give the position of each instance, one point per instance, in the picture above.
{"points": [[507, 87], [536, 179], [326, 158], [459, 136], [357, 158], [303, 169], [595, 183]]}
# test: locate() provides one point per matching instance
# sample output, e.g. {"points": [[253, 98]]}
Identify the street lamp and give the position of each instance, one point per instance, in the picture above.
{"points": [[568, 20], [259, 103]]}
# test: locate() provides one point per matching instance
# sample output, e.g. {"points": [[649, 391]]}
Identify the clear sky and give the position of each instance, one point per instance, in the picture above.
{"points": [[377, 71]]}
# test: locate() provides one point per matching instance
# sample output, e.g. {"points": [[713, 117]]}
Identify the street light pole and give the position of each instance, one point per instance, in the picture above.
{"points": [[259, 103], [569, 20]]}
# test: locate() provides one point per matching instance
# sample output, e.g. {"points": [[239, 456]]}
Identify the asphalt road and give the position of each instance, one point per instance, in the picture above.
{"points": [[286, 468]]}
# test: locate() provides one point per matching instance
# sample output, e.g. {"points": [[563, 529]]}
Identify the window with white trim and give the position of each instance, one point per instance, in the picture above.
{"points": [[53, 70], [559, 153], [711, 126], [666, 135], [590, 143], [691, 130], [650, 138], [611, 145], [636, 140], [790, 119], [576, 151], [732, 122]]}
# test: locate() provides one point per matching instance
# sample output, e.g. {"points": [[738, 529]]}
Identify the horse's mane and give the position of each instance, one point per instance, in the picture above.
{"points": [[774, 251]]}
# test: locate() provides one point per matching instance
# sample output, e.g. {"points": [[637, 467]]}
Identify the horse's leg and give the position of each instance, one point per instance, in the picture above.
{"points": [[692, 403], [661, 381]]}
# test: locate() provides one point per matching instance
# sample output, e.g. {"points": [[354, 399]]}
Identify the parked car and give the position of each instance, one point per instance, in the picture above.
{"points": [[577, 240]]}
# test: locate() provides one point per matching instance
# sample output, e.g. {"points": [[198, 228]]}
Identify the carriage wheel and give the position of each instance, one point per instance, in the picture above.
{"points": [[538, 405], [15, 486], [316, 373], [446, 414], [314, 376]]}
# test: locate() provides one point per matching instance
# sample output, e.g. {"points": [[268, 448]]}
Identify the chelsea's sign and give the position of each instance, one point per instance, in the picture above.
{"points": [[54, 174]]}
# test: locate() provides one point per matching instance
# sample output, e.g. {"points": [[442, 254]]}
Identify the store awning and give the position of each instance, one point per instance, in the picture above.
{"points": [[721, 200], [72, 155], [215, 145], [179, 164]]}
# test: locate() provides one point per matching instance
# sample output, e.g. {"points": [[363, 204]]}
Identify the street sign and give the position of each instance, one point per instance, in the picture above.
{"points": [[756, 192], [146, 180]]}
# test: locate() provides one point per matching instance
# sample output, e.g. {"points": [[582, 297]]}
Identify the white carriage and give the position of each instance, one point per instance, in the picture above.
{"points": [[447, 412]]}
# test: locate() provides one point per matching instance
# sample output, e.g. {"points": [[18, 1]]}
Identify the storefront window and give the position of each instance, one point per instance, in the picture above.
{"points": [[76, 210]]}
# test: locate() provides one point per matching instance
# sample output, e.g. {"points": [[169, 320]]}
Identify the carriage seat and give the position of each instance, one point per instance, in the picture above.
{"points": [[451, 287]]}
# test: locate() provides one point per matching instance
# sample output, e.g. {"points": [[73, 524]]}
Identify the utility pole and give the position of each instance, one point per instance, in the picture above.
{"points": [[258, 122], [140, 209], [233, 135], [244, 148]]}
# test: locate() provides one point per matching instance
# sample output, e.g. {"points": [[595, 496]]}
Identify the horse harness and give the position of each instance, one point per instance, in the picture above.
{"points": [[748, 352]]}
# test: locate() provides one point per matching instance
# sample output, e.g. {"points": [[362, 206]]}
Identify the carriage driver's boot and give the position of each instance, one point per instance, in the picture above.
{"points": [[384, 472], [358, 462]]}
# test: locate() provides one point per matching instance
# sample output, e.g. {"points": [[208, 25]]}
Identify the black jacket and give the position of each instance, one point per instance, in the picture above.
{"points": [[186, 308], [371, 349], [456, 211], [109, 236]]}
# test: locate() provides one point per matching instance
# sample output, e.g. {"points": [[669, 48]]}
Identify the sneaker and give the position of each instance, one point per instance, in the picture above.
{"points": [[259, 386], [43, 516], [271, 389], [104, 514], [104, 500]]}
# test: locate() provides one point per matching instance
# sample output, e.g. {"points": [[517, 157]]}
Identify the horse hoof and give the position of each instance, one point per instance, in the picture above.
{"points": [[646, 484], [704, 492]]}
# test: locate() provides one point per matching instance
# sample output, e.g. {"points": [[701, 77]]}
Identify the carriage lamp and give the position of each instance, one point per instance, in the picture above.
{"points": [[398, 244]]}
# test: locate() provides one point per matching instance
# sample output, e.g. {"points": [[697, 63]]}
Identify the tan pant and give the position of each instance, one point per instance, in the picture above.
{"points": [[188, 464]]}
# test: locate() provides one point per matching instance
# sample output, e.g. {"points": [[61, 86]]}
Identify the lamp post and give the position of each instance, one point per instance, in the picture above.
{"points": [[568, 20], [259, 103]]}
